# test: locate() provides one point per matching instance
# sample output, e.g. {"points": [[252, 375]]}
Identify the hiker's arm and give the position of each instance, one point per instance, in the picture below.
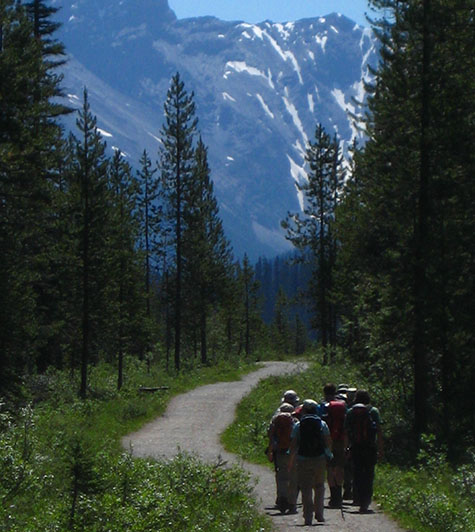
{"points": [[270, 434], [328, 446], [293, 453], [346, 439]]}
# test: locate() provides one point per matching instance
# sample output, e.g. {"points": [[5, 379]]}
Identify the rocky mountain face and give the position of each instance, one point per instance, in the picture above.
{"points": [[260, 90]]}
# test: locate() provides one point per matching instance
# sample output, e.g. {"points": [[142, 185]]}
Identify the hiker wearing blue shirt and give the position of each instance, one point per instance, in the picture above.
{"points": [[310, 448]]}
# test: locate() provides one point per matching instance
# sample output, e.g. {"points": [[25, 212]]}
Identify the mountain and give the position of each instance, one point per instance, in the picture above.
{"points": [[260, 90]]}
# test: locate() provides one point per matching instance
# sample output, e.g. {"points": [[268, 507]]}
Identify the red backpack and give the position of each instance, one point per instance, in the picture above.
{"points": [[362, 427], [335, 419], [283, 424]]}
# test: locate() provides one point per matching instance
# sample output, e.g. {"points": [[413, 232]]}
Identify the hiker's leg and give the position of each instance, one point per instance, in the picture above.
{"points": [[337, 472], [276, 472], [365, 489], [358, 475], [306, 476], [338, 462], [331, 479], [319, 486], [293, 489], [283, 477], [371, 464], [348, 475]]}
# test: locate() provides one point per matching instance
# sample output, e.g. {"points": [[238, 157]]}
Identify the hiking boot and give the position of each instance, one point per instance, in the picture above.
{"points": [[332, 501], [348, 495], [335, 497], [365, 510], [282, 504], [292, 509]]}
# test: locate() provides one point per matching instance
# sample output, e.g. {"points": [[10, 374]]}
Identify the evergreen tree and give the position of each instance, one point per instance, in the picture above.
{"points": [[90, 194], [249, 305], [410, 243], [28, 142], [177, 163], [301, 336], [280, 327], [124, 271], [312, 231], [150, 215], [206, 252]]}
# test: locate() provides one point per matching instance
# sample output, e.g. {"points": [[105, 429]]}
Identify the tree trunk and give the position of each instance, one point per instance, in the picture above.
{"points": [[421, 234], [204, 348]]}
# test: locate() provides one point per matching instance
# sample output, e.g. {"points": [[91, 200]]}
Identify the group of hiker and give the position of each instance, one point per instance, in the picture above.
{"points": [[339, 438]]}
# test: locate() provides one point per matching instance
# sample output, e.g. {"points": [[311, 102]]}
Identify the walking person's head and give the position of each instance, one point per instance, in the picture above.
{"points": [[329, 390], [363, 397], [290, 396], [309, 407], [286, 407]]}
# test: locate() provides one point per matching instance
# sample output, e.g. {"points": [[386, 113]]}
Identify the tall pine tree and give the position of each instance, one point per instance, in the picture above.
{"points": [[410, 243], [311, 231], [207, 252], [177, 163]]}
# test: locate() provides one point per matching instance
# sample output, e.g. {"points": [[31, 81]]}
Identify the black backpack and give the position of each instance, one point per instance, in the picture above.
{"points": [[311, 437]]}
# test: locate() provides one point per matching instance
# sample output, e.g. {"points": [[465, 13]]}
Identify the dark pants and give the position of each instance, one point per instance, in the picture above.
{"points": [[364, 461]]}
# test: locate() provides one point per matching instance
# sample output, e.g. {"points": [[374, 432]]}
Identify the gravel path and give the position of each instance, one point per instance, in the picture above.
{"points": [[213, 406]]}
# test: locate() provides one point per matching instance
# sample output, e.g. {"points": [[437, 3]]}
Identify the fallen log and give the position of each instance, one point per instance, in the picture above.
{"points": [[153, 388]]}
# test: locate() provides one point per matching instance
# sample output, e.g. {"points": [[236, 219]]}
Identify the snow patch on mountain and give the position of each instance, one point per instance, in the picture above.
{"points": [[299, 175], [228, 97], [241, 66], [292, 110], [104, 133], [285, 55], [265, 106], [322, 41], [260, 90]]}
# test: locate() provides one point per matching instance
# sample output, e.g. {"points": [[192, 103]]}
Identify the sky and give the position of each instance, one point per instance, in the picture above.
{"points": [[275, 10]]}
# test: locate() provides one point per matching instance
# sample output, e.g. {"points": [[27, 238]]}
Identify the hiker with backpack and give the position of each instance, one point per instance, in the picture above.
{"points": [[348, 474], [333, 411], [279, 432], [363, 425], [310, 450]]}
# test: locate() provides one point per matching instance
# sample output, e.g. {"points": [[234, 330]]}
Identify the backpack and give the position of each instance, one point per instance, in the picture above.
{"points": [[362, 426], [335, 419], [282, 429], [311, 437]]}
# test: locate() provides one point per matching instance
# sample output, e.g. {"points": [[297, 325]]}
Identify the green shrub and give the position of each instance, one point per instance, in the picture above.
{"points": [[63, 469]]}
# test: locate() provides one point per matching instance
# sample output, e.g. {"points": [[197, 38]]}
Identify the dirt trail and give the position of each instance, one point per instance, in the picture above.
{"points": [[213, 406]]}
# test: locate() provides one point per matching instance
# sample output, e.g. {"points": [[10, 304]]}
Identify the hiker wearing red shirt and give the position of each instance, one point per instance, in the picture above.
{"points": [[333, 411]]}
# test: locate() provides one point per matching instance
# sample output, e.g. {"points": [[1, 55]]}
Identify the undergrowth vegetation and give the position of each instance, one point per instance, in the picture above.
{"points": [[63, 468], [432, 495], [425, 492]]}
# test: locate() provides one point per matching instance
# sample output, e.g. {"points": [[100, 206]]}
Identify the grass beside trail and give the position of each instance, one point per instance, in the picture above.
{"points": [[247, 436], [63, 468], [429, 496]]}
